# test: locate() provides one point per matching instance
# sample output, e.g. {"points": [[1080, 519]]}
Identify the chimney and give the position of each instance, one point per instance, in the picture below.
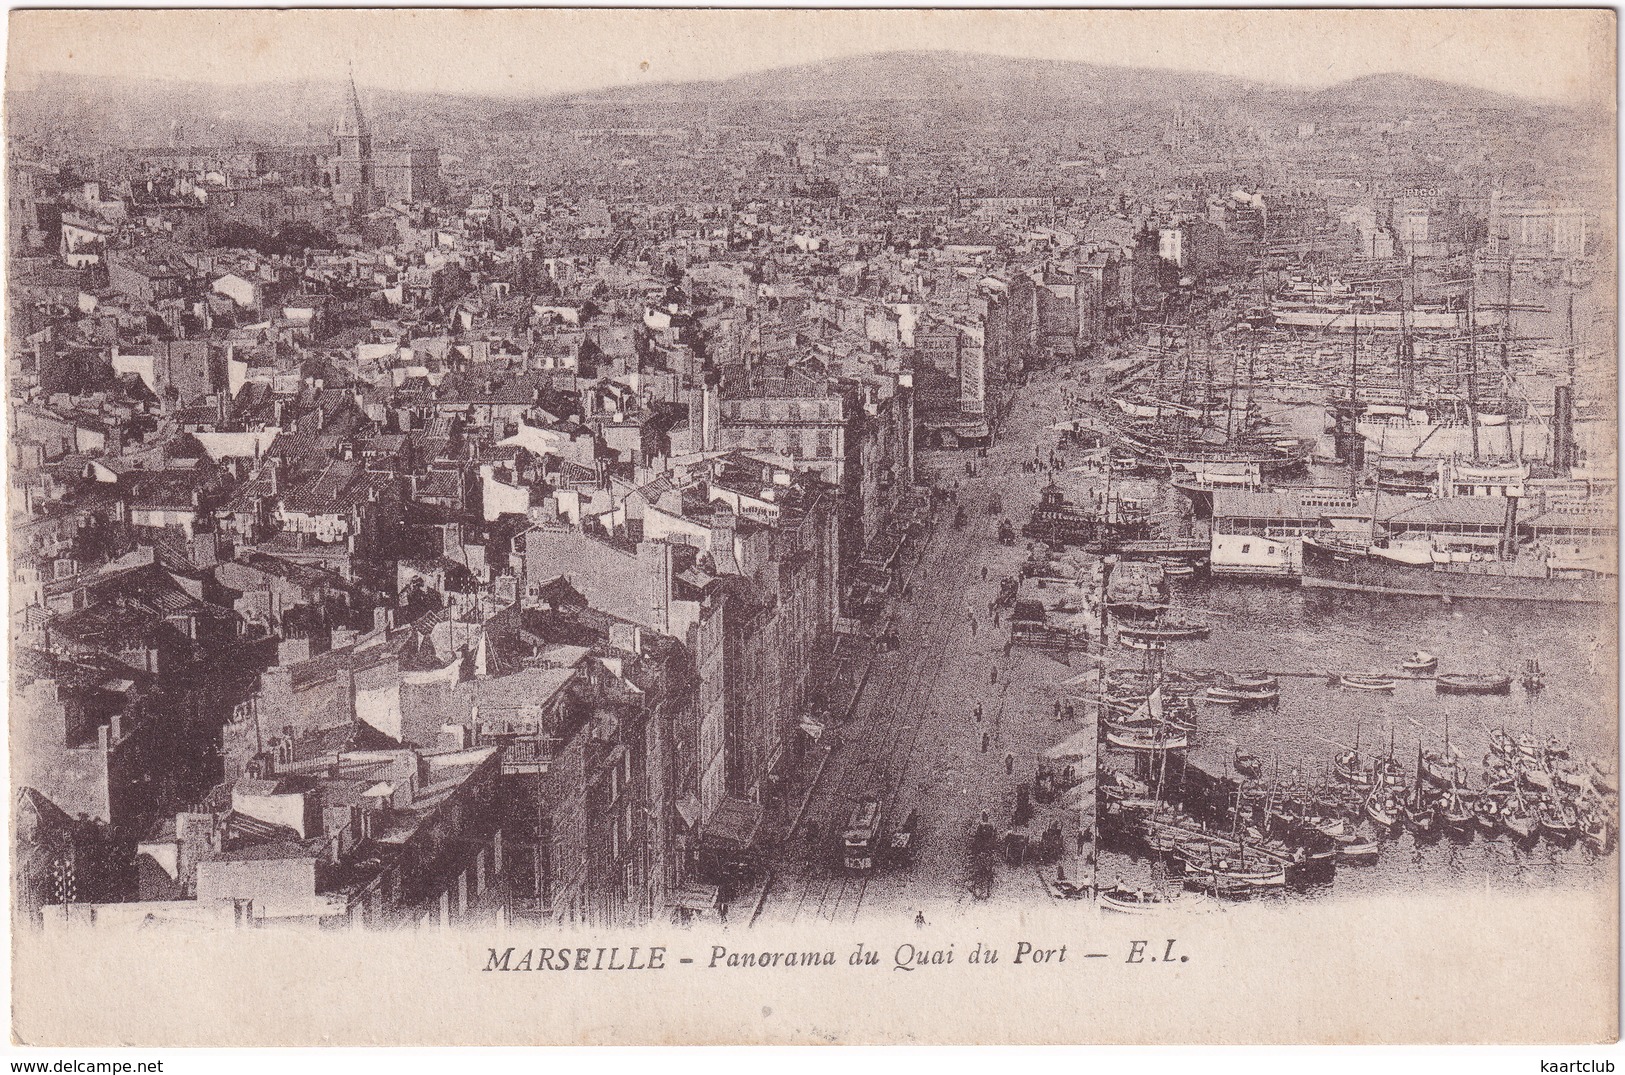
{"points": [[1563, 452], [709, 418]]}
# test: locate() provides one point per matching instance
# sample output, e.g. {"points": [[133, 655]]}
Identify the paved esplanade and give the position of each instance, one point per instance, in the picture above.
{"points": [[914, 739]]}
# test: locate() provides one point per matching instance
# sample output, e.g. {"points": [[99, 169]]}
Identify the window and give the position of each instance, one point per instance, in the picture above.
{"points": [[826, 444], [1245, 549]]}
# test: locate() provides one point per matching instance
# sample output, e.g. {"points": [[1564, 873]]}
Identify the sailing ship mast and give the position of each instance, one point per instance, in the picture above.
{"points": [[1472, 365], [1407, 348]]}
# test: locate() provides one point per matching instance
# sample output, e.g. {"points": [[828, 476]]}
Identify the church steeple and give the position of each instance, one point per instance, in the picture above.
{"points": [[352, 123], [352, 163]]}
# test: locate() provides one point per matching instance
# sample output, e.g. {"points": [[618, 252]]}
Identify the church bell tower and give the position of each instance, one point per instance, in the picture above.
{"points": [[352, 163]]}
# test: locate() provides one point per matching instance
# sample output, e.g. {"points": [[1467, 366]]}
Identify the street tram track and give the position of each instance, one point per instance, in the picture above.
{"points": [[839, 893]]}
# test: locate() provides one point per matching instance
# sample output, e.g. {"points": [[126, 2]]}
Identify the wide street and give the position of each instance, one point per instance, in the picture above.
{"points": [[914, 740]]}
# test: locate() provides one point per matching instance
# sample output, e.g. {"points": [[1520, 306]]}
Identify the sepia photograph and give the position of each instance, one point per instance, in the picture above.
{"points": [[697, 526]]}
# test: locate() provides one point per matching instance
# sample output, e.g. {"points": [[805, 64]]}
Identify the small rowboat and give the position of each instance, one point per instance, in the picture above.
{"points": [[1165, 632], [1248, 681], [1228, 696], [1248, 764], [1361, 683], [1358, 853], [1222, 873], [1472, 683], [1127, 900], [1421, 664]]}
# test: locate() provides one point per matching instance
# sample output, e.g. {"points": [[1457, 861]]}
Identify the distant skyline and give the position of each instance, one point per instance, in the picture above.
{"points": [[1545, 53]]}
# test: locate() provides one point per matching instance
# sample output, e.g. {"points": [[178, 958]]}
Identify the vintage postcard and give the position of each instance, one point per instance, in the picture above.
{"points": [[802, 526]]}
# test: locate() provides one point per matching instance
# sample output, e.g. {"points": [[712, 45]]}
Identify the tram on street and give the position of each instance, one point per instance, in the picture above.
{"points": [[861, 838]]}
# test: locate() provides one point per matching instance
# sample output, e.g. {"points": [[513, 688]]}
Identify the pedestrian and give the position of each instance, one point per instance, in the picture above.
{"points": [[972, 617], [1057, 709], [919, 919], [978, 712], [992, 675], [996, 617], [1009, 765], [984, 573], [985, 742]]}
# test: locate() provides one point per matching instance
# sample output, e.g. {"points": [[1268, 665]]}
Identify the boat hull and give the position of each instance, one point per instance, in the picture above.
{"points": [[1355, 569]]}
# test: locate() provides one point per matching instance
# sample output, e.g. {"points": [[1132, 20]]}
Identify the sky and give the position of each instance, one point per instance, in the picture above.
{"points": [[1544, 53]]}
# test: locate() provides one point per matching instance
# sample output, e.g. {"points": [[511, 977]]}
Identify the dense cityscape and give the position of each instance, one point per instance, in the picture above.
{"points": [[873, 488]]}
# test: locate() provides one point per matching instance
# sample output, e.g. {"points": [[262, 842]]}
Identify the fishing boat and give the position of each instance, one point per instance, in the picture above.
{"points": [[1472, 683], [1157, 737], [1487, 812], [1595, 830], [1165, 631], [1221, 886], [1224, 874], [1139, 727], [1361, 683], [1248, 681], [1358, 853], [1126, 900], [1569, 776], [1556, 748], [1437, 769], [1535, 777], [1420, 816], [1558, 820], [1420, 664], [1383, 809], [1350, 768], [1248, 764], [1389, 770], [1230, 696], [1517, 819], [1502, 743], [1456, 813]]}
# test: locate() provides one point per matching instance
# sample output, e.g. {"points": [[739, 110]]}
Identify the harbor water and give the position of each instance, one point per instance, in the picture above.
{"points": [[1301, 634]]}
